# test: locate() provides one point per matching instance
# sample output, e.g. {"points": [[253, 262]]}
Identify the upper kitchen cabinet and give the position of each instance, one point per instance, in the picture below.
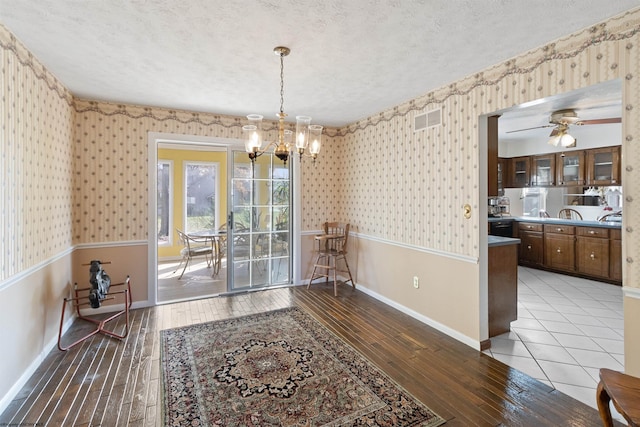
{"points": [[503, 174], [543, 170], [603, 166], [494, 182], [570, 167], [519, 172]]}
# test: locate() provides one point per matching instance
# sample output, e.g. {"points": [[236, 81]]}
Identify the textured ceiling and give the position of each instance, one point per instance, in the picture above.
{"points": [[349, 59]]}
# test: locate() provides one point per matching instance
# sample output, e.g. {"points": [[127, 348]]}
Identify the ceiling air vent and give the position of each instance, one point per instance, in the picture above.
{"points": [[427, 120]]}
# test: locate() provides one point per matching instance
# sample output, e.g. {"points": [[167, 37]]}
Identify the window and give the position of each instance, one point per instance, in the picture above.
{"points": [[165, 202], [201, 204], [534, 201]]}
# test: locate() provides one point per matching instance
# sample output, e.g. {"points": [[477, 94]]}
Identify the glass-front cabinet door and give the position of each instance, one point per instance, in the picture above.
{"points": [[520, 172], [603, 166], [570, 168], [543, 170]]}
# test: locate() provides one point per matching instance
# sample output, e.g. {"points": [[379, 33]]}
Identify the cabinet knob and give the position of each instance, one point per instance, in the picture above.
{"points": [[558, 229], [559, 251], [529, 247], [592, 256], [592, 232]]}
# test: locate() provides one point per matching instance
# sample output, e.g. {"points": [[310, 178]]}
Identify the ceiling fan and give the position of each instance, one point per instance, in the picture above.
{"points": [[568, 117], [561, 120]]}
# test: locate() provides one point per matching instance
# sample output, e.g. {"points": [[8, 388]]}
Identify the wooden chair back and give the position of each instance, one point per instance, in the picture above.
{"points": [[569, 214], [340, 233], [613, 216]]}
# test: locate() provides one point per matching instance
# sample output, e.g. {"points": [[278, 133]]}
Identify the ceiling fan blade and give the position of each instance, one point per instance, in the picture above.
{"points": [[599, 121], [537, 127], [554, 132]]}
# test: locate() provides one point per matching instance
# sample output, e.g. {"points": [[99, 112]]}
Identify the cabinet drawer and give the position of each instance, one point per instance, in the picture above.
{"points": [[559, 229], [529, 226], [615, 234], [593, 232]]}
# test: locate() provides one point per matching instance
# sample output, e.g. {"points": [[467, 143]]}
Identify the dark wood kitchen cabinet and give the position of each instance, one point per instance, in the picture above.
{"points": [[570, 168], [519, 172], [559, 247], [531, 244], [543, 170], [503, 175], [502, 288], [603, 166], [615, 254], [592, 251], [492, 157]]}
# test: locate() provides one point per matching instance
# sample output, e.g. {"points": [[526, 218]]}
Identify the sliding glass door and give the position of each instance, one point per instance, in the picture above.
{"points": [[259, 238]]}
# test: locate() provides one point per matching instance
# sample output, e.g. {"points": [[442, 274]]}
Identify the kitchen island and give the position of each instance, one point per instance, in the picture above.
{"points": [[503, 283]]}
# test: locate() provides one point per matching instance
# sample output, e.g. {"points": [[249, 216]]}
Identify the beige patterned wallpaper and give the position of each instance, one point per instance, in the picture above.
{"points": [[36, 160], [377, 174], [410, 187], [110, 197]]}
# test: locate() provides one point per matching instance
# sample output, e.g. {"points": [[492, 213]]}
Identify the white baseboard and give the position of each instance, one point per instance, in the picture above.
{"points": [[422, 318], [13, 391]]}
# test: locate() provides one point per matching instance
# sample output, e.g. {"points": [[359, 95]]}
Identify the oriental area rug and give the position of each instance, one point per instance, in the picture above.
{"points": [[279, 368]]}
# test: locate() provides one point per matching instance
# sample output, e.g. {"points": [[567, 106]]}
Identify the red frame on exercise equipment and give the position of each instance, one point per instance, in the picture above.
{"points": [[79, 301]]}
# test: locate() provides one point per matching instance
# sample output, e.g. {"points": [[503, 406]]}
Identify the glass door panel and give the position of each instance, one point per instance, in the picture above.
{"points": [[543, 170], [603, 166], [259, 240], [570, 168], [520, 170]]}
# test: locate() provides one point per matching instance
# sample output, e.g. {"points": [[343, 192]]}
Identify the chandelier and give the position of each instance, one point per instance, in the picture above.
{"points": [[307, 135]]}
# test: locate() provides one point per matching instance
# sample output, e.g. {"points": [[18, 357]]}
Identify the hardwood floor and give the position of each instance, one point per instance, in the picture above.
{"points": [[111, 383]]}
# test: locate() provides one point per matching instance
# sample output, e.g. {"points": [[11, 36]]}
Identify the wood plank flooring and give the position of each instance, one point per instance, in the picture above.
{"points": [[105, 382]]}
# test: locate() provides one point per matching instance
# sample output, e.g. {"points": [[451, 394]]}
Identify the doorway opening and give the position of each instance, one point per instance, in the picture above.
{"points": [[567, 327]]}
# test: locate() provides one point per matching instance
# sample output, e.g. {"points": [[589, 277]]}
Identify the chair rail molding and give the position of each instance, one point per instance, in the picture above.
{"points": [[630, 292], [29, 271], [465, 258]]}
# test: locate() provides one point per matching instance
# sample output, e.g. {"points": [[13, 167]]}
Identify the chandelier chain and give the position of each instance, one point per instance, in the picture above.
{"points": [[281, 83]]}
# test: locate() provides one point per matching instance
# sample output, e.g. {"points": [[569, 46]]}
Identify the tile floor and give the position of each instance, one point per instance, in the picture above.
{"points": [[567, 329]]}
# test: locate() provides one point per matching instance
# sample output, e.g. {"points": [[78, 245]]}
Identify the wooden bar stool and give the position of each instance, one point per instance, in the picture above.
{"points": [[624, 391]]}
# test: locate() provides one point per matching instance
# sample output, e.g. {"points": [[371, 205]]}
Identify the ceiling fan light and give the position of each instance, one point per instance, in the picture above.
{"points": [[554, 140], [567, 140]]}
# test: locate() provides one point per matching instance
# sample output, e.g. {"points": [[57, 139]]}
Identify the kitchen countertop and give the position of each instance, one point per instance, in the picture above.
{"points": [[576, 222], [501, 241]]}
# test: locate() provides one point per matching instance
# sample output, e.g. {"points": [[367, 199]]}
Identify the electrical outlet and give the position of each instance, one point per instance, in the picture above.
{"points": [[416, 283]]}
